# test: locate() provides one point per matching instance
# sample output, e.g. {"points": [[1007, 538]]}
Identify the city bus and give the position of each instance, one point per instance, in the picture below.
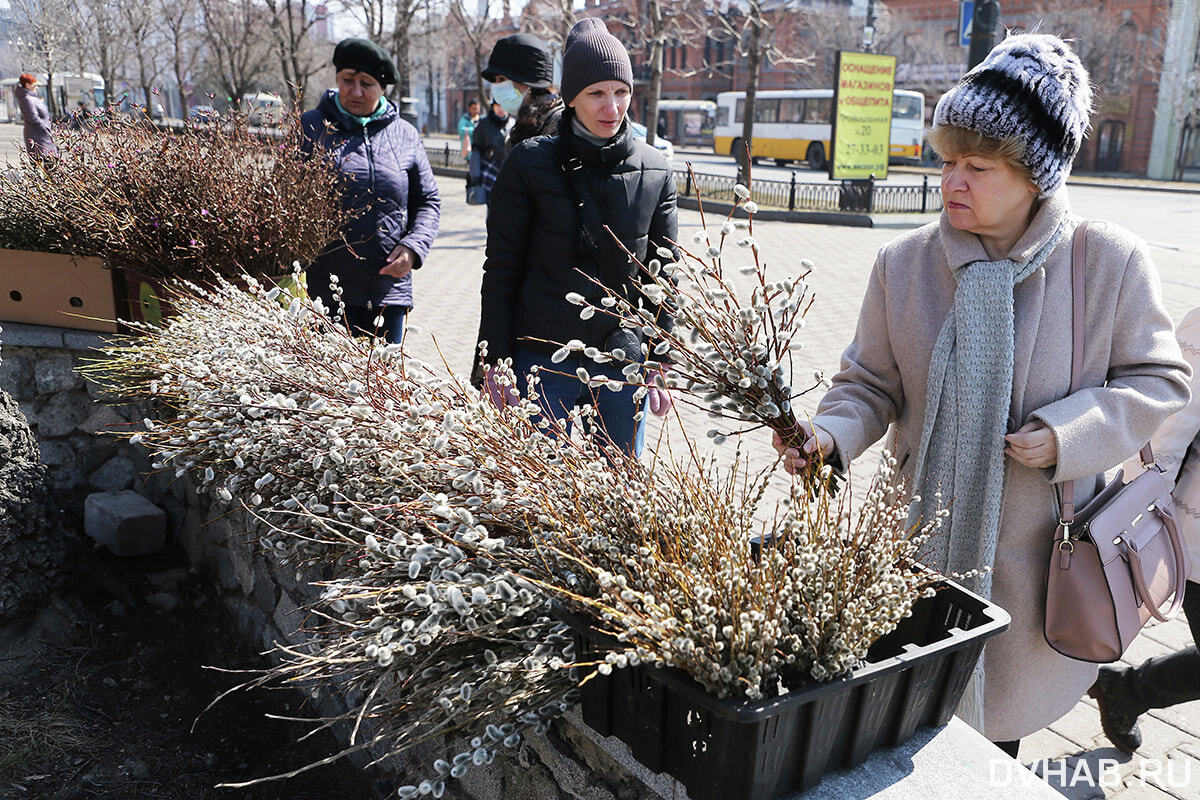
{"points": [[794, 125], [70, 89], [688, 123]]}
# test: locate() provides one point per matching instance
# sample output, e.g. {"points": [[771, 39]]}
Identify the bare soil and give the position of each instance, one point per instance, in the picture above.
{"points": [[102, 693]]}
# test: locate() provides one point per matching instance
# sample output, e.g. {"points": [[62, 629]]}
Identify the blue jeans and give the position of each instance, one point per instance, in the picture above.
{"points": [[362, 320], [561, 393]]}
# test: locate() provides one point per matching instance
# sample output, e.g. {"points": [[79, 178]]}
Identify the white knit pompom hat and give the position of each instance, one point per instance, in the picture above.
{"points": [[1031, 86]]}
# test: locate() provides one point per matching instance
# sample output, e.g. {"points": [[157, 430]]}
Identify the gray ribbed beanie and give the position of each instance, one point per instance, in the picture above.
{"points": [[1031, 86], [591, 55]]}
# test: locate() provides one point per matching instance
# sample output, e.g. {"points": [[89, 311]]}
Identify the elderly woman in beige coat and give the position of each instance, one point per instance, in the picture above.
{"points": [[963, 346]]}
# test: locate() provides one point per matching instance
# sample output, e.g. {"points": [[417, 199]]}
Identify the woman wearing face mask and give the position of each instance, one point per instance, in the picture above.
{"points": [[520, 71], [546, 237], [388, 182]]}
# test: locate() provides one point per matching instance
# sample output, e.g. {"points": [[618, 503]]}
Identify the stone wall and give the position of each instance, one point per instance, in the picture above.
{"points": [[265, 598], [38, 370]]}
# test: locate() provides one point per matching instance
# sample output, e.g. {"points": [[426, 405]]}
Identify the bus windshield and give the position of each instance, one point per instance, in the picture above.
{"points": [[907, 107]]}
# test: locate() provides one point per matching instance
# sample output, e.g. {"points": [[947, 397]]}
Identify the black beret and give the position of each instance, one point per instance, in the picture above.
{"points": [[362, 55]]}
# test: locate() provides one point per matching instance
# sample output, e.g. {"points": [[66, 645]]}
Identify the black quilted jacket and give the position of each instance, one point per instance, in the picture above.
{"points": [[536, 252]]}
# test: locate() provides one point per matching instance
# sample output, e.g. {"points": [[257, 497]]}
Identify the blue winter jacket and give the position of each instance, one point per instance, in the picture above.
{"points": [[391, 186]]}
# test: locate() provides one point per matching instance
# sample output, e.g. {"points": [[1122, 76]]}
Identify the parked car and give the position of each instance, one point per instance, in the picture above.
{"points": [[202, 113], [663, 145]]}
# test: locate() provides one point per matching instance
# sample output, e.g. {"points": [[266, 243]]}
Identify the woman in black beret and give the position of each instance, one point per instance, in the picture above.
{"points": [[389, 184]]}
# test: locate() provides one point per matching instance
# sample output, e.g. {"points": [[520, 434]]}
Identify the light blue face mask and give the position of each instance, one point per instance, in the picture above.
{"points": [[507, 96]]}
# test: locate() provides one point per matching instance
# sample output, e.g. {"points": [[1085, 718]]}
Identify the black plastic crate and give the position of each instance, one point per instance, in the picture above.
{"points": [[745, 750]]}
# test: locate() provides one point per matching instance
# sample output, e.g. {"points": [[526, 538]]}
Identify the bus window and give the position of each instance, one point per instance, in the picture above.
{"points": [[818, 110], [740, 114], [723, 115], [906, 107], [791, 109], [766, 110]]}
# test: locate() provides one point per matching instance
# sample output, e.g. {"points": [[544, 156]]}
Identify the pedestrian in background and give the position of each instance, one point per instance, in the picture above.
{"points": [[466, 127], [518, 65], [964, 346], [1123, 694], [389, 184], [35, 117], [546, 238]]}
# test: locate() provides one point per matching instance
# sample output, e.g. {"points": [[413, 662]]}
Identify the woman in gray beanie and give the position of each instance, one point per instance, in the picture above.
{"points": [[546, 238], [964, 347]]}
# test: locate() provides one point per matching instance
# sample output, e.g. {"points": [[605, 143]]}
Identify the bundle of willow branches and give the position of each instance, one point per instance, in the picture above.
{"points": [[176, 204], [448, 527]]}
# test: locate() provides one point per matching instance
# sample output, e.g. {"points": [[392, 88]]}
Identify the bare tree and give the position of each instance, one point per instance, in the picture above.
{"points": [[103, 43], [237, 44], [291, 23], [43, 33], [389, 24], [476, 28], [748, 30], [552, 20], [178, 24], [826, 28], [1105, 39], [137, 29]]}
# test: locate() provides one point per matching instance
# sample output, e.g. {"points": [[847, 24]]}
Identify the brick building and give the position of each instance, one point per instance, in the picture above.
{"points": [[1120, 42]]}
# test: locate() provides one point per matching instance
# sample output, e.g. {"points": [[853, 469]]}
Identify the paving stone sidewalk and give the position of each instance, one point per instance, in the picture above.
{"points": [[1072, 753]]}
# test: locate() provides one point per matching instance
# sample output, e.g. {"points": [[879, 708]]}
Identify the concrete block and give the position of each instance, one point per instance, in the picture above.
{"points": [[113, 475], [84, 340], [104, 419], [63, 413], [55, 373], [57, 454], [18, 334], [125, 522], [92, 451], [16, 376]]}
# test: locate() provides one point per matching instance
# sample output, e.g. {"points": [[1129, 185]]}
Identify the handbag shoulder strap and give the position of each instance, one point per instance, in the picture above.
{"points": [[1078, 309]]}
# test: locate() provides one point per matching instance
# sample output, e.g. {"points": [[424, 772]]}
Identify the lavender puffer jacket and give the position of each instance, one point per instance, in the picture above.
{"points": [[391, 186], [35, 121]]}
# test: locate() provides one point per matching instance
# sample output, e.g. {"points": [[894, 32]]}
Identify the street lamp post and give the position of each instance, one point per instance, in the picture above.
{"points": [[983, 30], [868, 32]]}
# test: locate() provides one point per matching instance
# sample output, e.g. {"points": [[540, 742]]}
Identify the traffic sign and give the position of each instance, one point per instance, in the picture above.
{"points": [[966, 15]]}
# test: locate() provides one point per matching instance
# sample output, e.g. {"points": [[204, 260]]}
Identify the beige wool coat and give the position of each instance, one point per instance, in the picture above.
{"points": [[1135, 374]]}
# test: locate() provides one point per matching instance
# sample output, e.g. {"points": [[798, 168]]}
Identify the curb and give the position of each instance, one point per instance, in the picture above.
{"points": [[780, 215]]}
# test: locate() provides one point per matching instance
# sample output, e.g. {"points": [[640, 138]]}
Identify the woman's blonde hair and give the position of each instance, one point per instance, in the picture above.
{"points": [[951, 140]]}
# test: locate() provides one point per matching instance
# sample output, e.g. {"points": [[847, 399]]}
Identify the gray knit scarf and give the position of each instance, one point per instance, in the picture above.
{"points": [[960, 463]]}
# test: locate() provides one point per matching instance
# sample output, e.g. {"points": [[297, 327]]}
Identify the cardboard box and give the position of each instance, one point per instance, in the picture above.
{"points": [[55, 289]]}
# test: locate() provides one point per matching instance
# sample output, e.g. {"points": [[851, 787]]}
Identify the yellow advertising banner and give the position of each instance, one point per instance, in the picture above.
{"points": [[862, 118]]}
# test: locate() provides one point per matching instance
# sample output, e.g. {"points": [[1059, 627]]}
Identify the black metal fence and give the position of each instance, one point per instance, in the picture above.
{"points": [[796, 195], [793, 195]]}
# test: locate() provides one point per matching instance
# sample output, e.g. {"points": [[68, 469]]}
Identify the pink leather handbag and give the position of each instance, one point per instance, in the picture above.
{"points": [[1118, 560]]}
